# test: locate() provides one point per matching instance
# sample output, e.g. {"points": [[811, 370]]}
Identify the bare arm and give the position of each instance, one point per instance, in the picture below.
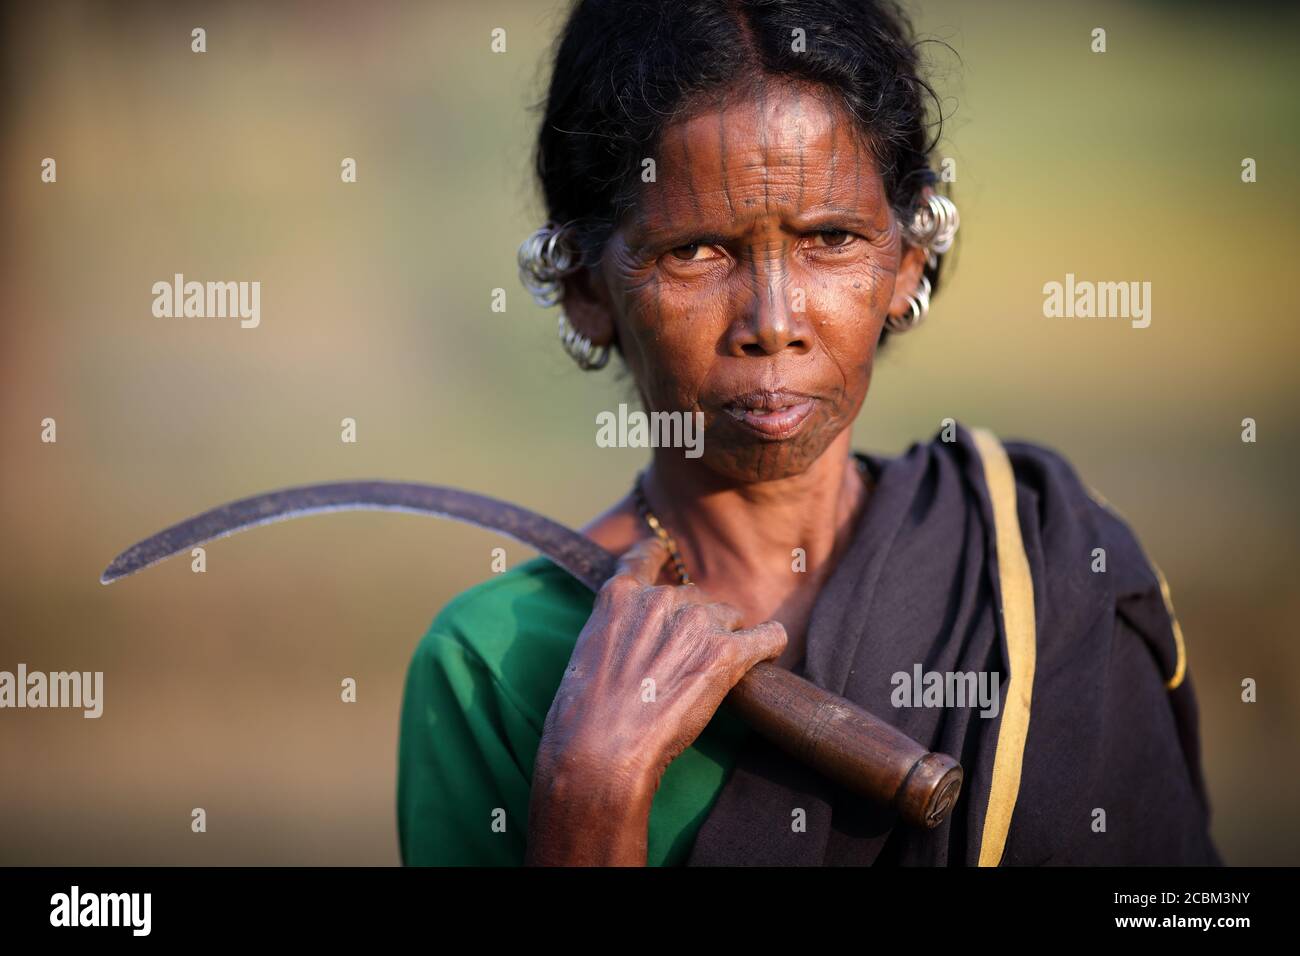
{"points": [[580, 816]]}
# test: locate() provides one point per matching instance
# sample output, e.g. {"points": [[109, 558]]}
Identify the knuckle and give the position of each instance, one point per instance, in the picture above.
{"points": [[695, 616], [660, 595], [621, 583], [656, 600]]}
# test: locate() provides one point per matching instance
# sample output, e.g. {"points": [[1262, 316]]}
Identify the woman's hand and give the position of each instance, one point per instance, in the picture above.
{"points": [[646, 675]]}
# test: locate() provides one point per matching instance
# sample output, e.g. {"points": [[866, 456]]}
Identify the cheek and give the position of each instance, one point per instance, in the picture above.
{"points": [[847, 310], [670, 336]]}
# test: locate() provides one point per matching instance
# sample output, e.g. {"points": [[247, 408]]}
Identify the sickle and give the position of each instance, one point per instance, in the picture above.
{"points": [[836, 737]]}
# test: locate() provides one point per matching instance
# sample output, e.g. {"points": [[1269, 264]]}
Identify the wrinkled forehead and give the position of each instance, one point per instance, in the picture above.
{"points": [[774, 148]]}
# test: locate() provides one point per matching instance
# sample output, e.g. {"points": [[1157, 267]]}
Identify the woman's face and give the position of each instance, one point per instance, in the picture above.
{"points": [[753, 280]]}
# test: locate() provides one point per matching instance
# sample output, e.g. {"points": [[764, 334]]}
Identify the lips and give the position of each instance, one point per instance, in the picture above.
{"points": [[772, 415]]}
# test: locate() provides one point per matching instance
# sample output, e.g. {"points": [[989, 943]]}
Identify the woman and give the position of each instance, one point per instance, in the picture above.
{"points": [[748, 210]]}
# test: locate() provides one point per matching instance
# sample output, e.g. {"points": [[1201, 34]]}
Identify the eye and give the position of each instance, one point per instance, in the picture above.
{"points": [[834, 238], [689, 252]]}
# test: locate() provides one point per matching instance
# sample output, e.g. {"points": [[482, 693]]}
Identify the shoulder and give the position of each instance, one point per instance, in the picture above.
{"points": [[517, 627], [1068, 507], [1086, 547], [529, 593]]}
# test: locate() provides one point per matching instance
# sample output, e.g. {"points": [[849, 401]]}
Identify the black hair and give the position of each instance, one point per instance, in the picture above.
{"points": [[623, 70]]}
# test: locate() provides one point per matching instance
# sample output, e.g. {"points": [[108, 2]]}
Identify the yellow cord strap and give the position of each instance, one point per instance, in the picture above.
{"points": [[1018, 622]]}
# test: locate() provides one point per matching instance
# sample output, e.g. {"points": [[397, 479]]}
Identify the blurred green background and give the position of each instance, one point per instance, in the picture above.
{"points": [[222, 689]]}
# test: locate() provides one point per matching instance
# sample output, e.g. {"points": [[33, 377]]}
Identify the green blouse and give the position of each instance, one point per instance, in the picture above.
{"points": [[477, 693]]}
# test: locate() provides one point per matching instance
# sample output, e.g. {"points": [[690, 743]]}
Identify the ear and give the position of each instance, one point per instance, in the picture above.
{"points": [[910, 270], [587, 304]]}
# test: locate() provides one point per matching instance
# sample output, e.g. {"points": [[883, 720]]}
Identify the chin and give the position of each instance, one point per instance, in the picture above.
{"points": [[740, 457]]}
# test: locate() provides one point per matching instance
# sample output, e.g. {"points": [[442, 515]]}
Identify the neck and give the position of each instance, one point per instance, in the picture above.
{"points": [[735, 531]]}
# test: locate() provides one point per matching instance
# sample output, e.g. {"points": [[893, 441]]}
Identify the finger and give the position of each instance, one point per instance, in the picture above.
{"points": [[644, 560], [762, 642], [728, 616]]}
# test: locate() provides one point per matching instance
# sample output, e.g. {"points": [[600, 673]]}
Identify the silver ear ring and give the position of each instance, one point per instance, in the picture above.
{"points": [[545, 258], [934, 226], [932, 229], [918, 305], [590, 358]]}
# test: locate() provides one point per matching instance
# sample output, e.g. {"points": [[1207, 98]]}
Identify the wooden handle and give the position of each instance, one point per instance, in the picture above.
{"points": [[848, 744]]}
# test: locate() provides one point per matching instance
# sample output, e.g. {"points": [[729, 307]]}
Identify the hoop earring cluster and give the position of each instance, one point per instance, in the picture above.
{"points": [[545, 258], [933, 228], [917, 306], [590, 358]]}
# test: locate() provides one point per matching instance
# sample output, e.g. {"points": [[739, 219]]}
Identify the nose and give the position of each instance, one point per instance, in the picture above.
{"points": [[770, 313]]}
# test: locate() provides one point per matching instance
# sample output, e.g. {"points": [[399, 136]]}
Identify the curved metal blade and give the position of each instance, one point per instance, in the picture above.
{"points": [[583, 558]]}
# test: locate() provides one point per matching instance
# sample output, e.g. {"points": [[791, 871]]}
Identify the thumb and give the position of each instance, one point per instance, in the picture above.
{"points": [[762, 642]]}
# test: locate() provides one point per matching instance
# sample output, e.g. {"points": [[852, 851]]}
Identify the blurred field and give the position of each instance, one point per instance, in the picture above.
{"points": [[222, 689]]}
